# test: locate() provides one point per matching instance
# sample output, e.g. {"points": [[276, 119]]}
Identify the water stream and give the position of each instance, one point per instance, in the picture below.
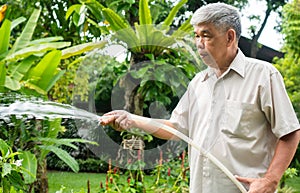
{"points": [[45, 109]]}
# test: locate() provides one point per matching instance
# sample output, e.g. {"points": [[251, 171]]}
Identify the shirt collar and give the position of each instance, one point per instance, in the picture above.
{"points": [[209, 72], [238, 65]]}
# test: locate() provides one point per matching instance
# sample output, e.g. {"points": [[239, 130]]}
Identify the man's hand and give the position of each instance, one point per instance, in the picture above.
{"points": [[259, 185], [119, 120]]}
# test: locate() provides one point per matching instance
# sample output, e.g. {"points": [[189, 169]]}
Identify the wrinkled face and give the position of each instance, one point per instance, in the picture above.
{"points": [[211, 44]]}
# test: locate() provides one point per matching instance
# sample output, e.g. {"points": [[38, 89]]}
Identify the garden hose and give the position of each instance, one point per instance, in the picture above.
{"points": [[193, 144]]}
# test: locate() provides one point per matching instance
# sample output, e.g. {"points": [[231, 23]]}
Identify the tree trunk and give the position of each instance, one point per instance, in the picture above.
{"points": [[254, 46], [41, 185], [134, 102]]}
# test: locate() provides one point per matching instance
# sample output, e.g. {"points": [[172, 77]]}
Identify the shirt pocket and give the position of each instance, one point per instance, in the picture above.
{"points": [[242, 120]]}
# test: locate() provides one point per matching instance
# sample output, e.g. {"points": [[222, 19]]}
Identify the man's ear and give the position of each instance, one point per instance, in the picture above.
{"points": [[231, 37]]}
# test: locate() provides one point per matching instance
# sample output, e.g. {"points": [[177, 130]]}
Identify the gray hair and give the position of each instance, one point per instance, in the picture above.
{"points": [[221, 15]]}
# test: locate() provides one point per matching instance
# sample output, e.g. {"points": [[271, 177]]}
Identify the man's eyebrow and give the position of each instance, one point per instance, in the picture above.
{"points": [[205, 31], [202, 31]]}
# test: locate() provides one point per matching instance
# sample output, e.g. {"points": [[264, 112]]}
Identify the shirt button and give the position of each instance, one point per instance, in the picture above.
{"points": [[205, 174]]}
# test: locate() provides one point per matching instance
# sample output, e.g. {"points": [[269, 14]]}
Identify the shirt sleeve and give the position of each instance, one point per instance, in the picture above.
{"points": [[277, 106], [179, 116]]}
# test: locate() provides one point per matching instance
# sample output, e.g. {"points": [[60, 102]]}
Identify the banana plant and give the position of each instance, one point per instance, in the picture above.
{"points": [[32, 65]]}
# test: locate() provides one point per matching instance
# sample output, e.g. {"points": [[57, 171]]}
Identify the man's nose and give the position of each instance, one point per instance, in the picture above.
{"points": [[200, 43]]}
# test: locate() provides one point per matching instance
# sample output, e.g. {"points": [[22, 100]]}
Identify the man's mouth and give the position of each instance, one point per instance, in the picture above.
{"points": [[202, 55]]}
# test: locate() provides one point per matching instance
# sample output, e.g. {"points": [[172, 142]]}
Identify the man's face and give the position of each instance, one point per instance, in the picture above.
{"points": [[211, 44]]}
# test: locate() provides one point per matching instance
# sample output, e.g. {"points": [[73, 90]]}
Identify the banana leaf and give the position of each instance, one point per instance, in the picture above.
{"points": [[35, 49], [4, 36], [43, 73], [63, 155], [19, 70], [79, 49], [12, 84], [46, 40], [4, 148], [27, 33], [16, 22], [29, 163], [2, 76], [66, 142], [54, 79]]}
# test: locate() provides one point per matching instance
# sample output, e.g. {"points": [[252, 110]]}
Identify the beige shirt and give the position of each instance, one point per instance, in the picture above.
{"points": [[238, 118]]}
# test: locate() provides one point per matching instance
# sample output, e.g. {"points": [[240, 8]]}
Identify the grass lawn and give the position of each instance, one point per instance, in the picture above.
{"points": [[75, 182]]}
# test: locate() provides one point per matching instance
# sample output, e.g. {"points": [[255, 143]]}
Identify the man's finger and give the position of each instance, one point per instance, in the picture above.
{"points": [[106, 119], [245, 180]]}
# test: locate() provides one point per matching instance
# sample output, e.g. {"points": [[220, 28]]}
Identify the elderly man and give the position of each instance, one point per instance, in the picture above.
{"points": [[237, 109]]}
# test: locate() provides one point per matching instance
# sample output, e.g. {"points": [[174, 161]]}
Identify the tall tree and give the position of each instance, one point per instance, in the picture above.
{"points": [[271, 6]]}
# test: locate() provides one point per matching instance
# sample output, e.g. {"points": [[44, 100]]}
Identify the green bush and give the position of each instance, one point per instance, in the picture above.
{"points": [[93, 165], [85, 165]]}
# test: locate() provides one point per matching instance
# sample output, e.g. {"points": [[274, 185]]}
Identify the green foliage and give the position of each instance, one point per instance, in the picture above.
{"points": [[128, 10], [170, 175], [53, 22], [289, 66], [27, 66], [94, 165], [146, 41], [291, 27], [32, 67], [161, 59], [144, 13], [36, 144], [288, 174], [144, 34], [15, 173], [286, 190]]}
